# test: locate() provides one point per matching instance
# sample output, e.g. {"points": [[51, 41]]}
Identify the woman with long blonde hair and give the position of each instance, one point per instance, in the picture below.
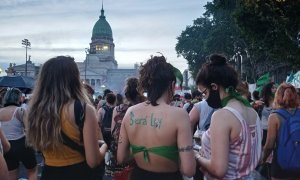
{"points": [[51, 114]]}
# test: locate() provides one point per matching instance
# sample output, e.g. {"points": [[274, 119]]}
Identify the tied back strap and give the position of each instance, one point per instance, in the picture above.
{"points": [[169, 152]]}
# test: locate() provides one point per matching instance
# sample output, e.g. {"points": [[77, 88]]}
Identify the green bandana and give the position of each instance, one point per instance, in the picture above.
{"points": [[233, 94]]}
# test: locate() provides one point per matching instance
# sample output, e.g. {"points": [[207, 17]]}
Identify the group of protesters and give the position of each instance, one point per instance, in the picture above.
{"points": [[217, 132]]}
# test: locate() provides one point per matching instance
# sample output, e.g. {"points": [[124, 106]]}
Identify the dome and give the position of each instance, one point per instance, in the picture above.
{"points": [[102, 27]]}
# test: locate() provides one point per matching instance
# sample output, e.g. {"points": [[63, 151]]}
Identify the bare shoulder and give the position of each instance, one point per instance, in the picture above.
{"points": [[222, 114], [274, 117], [90, 110], [178, 113]]}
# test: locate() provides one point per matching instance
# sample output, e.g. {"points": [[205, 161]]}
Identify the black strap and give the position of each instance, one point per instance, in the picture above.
{"points": [[71, 144], [79, 112]]}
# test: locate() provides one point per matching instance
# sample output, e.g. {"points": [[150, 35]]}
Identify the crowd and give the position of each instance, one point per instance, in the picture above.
{"points": [[219, 131]]}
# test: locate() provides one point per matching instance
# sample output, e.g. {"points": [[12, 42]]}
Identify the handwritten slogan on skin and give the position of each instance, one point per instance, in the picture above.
{"points": [[152, 121]]}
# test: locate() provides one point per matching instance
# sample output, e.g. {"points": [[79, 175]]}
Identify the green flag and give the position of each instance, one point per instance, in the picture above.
{"points": [[264, 79]]}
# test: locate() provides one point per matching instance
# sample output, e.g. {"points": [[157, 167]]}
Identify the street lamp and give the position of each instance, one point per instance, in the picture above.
{"points": [[27, 45], [85, 63]]}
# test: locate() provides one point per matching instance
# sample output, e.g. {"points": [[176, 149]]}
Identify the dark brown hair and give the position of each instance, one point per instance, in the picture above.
{"points": [[217, 71], [131, 91], [266, 93], [156, 77]]}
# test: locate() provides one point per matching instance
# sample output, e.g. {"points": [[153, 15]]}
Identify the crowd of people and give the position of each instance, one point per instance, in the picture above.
{"points": [[219, 131]]}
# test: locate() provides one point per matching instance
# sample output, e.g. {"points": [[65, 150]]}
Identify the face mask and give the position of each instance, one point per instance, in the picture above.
{"points": [[214, 99]]}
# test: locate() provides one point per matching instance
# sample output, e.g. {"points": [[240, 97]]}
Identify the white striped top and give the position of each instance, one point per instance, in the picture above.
{"points": [[244, 152]]}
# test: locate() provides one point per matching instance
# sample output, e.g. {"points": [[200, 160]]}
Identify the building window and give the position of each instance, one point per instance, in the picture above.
{"points": [[93, 82], [102, 47]]}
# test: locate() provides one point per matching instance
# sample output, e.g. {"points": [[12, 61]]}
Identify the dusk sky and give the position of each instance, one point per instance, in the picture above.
{"points": [[63, 27]]}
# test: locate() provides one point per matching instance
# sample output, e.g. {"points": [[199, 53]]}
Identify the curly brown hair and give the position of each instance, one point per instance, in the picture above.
{"points": [[156, 77]]}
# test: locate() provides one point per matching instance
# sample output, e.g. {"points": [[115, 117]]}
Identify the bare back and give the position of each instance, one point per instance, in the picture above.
{"points": [[156, 126]]}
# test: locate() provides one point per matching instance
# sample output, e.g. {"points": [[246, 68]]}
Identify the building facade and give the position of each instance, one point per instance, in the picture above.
{"points": [[100, 68]]}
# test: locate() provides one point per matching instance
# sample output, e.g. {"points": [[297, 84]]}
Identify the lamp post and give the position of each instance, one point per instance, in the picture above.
{"points": [[85, 63], [27, 45]]}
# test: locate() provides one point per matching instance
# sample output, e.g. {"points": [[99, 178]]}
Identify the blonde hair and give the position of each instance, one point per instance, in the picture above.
{"points": [[58, 83]]}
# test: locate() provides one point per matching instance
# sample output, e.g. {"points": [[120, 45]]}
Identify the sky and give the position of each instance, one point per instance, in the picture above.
{"points": [[63, 27]]}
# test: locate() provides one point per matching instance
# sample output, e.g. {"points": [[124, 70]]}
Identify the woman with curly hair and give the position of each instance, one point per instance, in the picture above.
{"points": [[51, 122], [158, 135]]}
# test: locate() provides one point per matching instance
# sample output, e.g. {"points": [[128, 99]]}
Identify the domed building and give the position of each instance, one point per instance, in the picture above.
{"points": [[100, 68]]}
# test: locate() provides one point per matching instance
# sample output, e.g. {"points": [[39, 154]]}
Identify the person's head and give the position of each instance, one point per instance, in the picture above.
{"points": [[57, 85], [99, 97], [176, 97], [105, 92], [187, 97], [90, 91], [196, 95], [214, 78], [131, 91], [255, 95], [156, 78], [119, 99], [267, 93], [12, 97], [110, 98], [286, 97]]}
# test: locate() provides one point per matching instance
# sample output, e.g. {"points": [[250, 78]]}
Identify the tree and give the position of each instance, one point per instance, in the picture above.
{"points": [[215, 32], [191, 44], [270, 27]]}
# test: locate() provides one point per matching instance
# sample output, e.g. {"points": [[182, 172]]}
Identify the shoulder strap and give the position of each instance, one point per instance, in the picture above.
{"points": [[79, 112], [72, 144], [283, 113], [235, 112]]}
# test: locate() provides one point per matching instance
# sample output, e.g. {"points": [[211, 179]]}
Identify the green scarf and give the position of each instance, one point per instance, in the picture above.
{"points": [[233, 94]]}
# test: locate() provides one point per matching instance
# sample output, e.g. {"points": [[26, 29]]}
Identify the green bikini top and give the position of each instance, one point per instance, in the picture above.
{"points": [[169, 152]]}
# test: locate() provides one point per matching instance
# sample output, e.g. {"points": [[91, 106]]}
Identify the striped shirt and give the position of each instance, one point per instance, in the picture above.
{"points": [[244, 152]]}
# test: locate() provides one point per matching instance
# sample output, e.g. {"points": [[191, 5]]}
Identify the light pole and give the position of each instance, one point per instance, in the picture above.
{"points": [[85, 63], [27, 45]]}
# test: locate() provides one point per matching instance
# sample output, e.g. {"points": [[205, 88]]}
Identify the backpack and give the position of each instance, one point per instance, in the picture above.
{"points": [[106, 124], [288, 144], [190, 107], [121, 110]]}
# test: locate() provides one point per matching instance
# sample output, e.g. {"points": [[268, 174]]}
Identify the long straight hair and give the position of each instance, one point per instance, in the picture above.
{"points": [[58, 83]]}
